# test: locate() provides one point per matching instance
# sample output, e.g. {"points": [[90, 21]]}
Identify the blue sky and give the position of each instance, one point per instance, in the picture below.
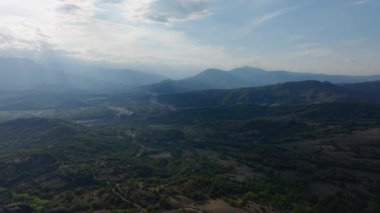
{"points": [[324, 36]]}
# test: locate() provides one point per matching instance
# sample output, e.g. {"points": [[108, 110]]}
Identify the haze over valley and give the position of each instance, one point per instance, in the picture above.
{"points": [[196, 106]]}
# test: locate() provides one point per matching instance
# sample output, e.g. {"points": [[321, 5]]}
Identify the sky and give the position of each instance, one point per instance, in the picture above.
{"points": [[321, 36]]}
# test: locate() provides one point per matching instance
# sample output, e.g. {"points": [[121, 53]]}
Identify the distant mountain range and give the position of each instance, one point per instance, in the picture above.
{"points": [[246, 77], [19, 74], [124, 78], [292, 93], [22, 74]]}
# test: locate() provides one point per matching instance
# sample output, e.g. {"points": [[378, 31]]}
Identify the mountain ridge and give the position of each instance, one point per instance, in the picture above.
{"points": [[246, 77], [290, 93]]}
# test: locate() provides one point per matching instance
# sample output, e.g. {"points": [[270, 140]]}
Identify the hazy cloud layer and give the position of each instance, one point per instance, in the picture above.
{"points": [[68, 8], [167, 11], [197, 34]]}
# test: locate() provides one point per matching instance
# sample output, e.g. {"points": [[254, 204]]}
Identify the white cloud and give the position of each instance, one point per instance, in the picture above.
{"points": [[68, 8], [23, 38], [71, 28], [296, 38], [257, 22], [75, 12], [355, 42], [313, 50], [111, 1], [117, 31], [167, 11], [142, 45], [360, 2]]}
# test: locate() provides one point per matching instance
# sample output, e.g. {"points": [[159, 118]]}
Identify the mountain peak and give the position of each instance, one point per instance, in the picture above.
{"points": [[212, 71], [248, 70]]}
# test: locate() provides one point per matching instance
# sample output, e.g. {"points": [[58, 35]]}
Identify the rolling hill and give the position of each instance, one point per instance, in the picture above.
{"points": [[32, 134], [293, 93], [240, 148]]}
